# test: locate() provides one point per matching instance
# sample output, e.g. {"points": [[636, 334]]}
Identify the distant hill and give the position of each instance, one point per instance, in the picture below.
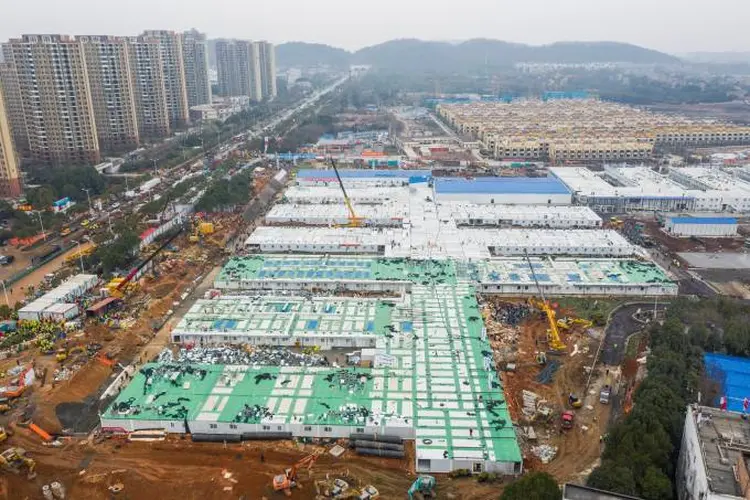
{"points": [[417, 54], [412, 54], [311, 54]]}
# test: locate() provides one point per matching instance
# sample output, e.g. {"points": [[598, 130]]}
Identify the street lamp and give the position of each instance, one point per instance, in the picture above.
{"points": [[156, 172], [39, 214], [88, 197], [80, 254]]}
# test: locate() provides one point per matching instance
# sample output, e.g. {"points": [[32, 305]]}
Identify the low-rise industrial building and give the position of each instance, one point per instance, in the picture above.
{"points": [[387, 214], [716, 227], [362, 177], [558, 217], [48, 306], [503, 190]]}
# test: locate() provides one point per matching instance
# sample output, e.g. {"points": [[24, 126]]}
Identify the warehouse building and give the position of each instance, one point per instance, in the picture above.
{"points": [[717, 227], [332, 195], [559, 217], [58, 304], [387, 214], [560, 276], [362, 177], [503, 190], [452, 406], [461, 243]]}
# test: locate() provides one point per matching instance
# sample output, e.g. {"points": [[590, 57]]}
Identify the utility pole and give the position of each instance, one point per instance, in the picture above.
{"points": [[7, 301], [80, 254], [156, 172]]}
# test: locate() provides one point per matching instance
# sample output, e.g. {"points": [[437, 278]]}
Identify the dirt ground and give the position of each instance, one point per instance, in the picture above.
{"points": [[578, 449], [178, 468]]}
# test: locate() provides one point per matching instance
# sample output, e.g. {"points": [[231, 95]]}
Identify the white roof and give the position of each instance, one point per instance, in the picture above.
{"points": [[321, 214], [461, 211]]}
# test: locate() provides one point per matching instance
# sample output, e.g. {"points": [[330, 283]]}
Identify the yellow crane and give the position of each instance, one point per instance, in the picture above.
{"points": [[553, 334], [354, 221]]}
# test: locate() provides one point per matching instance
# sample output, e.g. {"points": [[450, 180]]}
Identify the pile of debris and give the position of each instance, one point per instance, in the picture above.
{"points": [[508, 313], [534, 406], [266, 356], [545, 452]]}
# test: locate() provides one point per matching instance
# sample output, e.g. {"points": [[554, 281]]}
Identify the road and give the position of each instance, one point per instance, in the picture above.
{"points": [[621, 325]]}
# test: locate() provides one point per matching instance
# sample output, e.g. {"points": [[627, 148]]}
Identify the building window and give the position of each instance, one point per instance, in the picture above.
{"points": [[360, 430], [308, 428], [213, 426], [266, 427], [327, 429], [477, 467], [232, 426]]}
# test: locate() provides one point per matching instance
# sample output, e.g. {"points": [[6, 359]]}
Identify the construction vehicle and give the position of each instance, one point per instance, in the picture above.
{"points": [[568, 323], [288, 480], [354, 221], [553, 334], [567, 419], [3, 434], [425, 485], [14, 459], [615, 222], [574, 401]]}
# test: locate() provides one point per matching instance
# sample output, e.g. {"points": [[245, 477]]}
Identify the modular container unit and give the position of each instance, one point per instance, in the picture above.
{"points": [[504, 190], [717, 227]]}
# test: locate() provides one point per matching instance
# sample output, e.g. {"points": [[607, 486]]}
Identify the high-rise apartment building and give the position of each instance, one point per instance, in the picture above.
{"points": [[111, 85], [148, 83], [55, 98], [173, 63], [195, 55], [239, 68], [267, 62], [10, 184], [13, 105]]}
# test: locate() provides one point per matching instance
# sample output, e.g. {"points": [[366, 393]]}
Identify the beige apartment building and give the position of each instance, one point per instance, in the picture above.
{"points": [[246, 69], [55, 98], [112, 95], [148, 83], [573, 130], [173, 64], [195, 55], [267, 62], [13, 105], [10, 182]]}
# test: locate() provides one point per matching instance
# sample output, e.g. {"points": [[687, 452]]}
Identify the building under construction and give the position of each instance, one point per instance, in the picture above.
{"points": [[361, 328]]}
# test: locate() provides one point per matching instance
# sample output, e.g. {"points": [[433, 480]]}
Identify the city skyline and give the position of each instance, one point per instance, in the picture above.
{"points": [[622, 21]]}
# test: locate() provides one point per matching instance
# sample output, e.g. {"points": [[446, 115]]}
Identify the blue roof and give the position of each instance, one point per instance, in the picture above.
{"points": [[733, 376], [703, 220], [349, 173], [498, 185]]}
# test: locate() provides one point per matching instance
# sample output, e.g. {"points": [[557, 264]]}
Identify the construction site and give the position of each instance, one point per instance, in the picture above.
{"points": [[353, 347]]}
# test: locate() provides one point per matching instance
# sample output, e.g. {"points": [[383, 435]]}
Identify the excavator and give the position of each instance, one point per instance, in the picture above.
{"points": [[553, 334], [354, 221], [425, 485], [288, 480], [14, 459]]}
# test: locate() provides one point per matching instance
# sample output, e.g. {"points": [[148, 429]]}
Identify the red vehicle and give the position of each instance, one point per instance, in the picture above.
{"points": [[567, 419]]}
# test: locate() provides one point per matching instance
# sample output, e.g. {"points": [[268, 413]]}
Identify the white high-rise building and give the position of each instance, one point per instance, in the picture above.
{"points": [[195, 55], [173, 64]]}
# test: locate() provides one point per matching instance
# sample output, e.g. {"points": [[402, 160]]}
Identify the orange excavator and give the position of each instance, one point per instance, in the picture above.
{"points": [[288, 480]]}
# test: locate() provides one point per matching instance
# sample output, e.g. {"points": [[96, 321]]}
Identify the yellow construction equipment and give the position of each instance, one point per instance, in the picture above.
{"points": [[14, 459], [354, 221], [3, 434], [553, 334], [206, 228]]}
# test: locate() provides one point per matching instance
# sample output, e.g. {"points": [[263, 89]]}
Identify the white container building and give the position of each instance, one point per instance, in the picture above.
{"points": [[716, 227]]}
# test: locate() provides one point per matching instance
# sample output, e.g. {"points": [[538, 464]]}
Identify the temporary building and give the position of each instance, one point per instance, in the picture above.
{"points": [[702, 226], [61, 312]]}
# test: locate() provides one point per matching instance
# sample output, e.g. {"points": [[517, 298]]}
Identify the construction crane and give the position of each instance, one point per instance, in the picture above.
{"points": [[288, 480], [553, 334], [354, 221], [425, 485]]}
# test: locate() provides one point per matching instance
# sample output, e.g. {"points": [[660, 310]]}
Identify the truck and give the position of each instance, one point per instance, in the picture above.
{"points": [[567, 419], [604, 394]]}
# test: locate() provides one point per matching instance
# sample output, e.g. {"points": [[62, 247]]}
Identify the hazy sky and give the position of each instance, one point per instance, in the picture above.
{"points": [[669, 25]]}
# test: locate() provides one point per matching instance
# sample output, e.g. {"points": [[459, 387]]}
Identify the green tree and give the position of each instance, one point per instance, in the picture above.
{"points": [[536, 485], [611, 476], [655, 485]]}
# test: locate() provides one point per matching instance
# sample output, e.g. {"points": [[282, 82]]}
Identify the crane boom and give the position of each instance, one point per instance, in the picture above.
{"points": [[553, 334], [354, 221]]}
